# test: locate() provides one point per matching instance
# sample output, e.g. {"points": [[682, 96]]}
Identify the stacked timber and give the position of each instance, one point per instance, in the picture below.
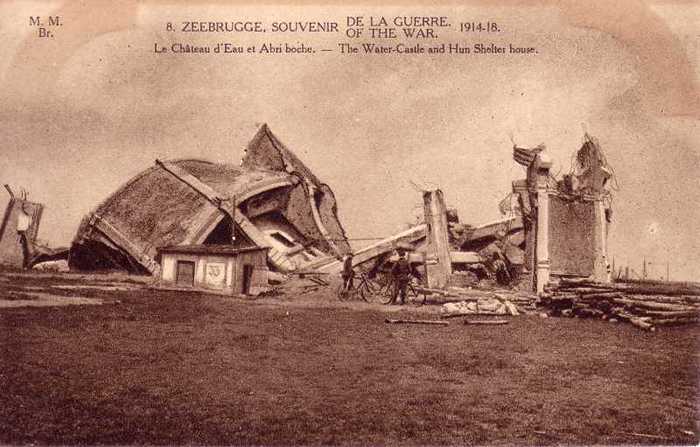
{"points": [[643, 305]]}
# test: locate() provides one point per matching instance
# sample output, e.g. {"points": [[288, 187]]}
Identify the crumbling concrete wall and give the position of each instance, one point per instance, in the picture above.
{"points": [[298, 212], [328, 210], [262, 153], [318, 217], [266, 202], [565, 220], [571, 245]]}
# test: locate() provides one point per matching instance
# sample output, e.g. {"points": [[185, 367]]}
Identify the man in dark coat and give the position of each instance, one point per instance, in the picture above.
{"points": [[501, 269], [401, 274]]}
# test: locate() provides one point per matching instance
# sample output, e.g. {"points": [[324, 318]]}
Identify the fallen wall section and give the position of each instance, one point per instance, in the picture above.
{"points": [[19, 230]]}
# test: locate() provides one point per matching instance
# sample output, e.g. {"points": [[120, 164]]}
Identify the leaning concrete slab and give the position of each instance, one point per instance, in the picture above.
{"points": [[18, 230]]}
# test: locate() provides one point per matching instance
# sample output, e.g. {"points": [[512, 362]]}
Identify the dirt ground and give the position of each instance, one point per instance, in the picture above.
{"points": [[157, 367]]}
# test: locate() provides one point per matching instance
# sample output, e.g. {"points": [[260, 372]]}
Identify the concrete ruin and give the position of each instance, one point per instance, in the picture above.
{"points": [[438, 264], [271, 200], [566, 221], [19, 243], [445, 250], [557, 229], [19, 229]]}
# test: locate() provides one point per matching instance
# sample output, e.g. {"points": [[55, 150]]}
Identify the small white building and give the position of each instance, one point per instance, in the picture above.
{"points": [[214, 268]]}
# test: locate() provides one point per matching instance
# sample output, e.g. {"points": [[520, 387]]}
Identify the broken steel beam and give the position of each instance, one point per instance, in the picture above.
{"points": [[384, 246]]}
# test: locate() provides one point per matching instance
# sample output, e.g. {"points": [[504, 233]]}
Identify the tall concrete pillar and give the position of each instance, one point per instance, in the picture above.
{"points": [[600, 249], [542, 164], [438, 261], [525, 200]]}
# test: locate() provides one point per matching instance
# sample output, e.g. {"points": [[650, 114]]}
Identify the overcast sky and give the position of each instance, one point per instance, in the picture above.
{"points": [[83, 112]]}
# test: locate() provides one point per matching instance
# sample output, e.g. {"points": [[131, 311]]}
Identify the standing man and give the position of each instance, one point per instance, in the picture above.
{"points": [[401, 274], [348, 273], [499, 266]]}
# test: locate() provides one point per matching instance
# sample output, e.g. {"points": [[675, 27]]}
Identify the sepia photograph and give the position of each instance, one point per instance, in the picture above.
{"points": [[349, 223]]}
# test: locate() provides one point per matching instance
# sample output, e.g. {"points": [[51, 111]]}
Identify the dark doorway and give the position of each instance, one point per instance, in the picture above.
{"points": [[185, 273], [247, 278]]}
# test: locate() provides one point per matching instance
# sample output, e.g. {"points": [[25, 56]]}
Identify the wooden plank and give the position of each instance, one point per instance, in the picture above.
{"points": [[486, 322], [466, 313], [432, 322]]}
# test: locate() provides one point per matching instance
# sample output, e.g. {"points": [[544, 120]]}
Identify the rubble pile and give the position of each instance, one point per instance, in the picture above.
{"points": [[479, 306], [643, 304], [459, 301]]}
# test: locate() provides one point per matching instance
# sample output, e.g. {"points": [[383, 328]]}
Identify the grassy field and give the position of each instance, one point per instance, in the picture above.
{"points": [[154, 367]]}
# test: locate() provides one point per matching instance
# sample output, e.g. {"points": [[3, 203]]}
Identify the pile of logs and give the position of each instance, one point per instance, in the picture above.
{"points": [[645, 305]]}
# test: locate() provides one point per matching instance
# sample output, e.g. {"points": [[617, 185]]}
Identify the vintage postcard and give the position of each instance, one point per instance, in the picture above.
{"points": [[349, 223]]}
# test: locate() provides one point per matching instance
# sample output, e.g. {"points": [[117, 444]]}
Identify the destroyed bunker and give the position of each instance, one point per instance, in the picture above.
{"points": [[271, 200]]}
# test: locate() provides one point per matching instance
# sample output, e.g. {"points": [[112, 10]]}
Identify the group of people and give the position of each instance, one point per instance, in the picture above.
{"points": [[401, 273]]}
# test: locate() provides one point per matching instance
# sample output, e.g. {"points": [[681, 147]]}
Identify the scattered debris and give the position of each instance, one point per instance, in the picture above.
{"points": [[276, 278], [295, 287], [315, 277], [478, 306], [114, 288], [52, 266]]}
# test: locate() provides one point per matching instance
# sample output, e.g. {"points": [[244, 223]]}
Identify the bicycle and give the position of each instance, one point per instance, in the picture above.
{"points": [[366, 289], [380, 287], [390, 293]]}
